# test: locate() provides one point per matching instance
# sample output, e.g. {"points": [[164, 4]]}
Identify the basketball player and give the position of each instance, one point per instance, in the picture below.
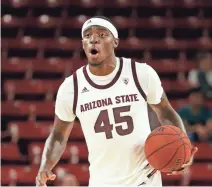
{"points": [[111, 96]]}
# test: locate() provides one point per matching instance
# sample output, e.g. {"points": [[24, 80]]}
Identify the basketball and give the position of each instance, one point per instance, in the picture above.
{"points": [[167, 148]]}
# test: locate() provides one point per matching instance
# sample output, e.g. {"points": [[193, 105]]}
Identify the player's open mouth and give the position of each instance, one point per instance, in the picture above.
{"points": [[94, 52]]}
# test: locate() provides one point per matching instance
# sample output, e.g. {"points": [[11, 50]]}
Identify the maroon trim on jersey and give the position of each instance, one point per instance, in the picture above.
{"points": [[75, 92], [135, 76], [107, 85], [153, 119]]}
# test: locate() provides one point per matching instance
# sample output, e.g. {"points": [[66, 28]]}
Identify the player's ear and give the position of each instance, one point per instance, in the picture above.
{"points": [[82, 44], [115, 42]]}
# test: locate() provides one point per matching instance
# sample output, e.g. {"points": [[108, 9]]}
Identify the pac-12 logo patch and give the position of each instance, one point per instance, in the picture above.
{"points": [[126, 80]]}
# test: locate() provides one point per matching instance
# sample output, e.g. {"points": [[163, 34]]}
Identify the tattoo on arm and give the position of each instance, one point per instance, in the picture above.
{"points": [[55, 144], [166, 114]]}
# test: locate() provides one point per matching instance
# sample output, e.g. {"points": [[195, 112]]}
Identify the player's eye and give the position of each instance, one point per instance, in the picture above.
{"points": [[87, 35], [102, 35]]}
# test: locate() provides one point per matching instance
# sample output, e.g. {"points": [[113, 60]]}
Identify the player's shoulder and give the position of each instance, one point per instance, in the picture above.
{"points": [[67, 86], [145, 68], [141, 66], [70, 79]]}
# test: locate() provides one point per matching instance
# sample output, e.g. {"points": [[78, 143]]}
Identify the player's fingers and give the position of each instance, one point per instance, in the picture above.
{"points": [[43, 176], [40, 180], [188, 163], [194, 150], [50, 175], [176, 172]]}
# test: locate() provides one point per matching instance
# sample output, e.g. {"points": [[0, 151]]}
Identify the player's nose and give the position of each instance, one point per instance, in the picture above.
{"points": [[94, 39]]}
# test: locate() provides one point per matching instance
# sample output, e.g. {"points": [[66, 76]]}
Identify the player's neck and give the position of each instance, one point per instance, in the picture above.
{"points": [[106, 68]]}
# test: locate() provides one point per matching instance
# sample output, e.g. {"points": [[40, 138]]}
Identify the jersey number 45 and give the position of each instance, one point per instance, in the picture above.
{"points": [[103, 123]]}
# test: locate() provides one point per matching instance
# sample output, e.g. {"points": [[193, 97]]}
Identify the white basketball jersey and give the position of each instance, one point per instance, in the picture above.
{"points": [[114, 118]]}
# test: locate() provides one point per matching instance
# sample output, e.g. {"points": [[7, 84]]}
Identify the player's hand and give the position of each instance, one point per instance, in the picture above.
{"points": [[187, 165], [43, 177]]}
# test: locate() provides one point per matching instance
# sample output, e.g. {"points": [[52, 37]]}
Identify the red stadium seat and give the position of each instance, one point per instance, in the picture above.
{"points": [[16, 65], [205, 43], [74, 152], [44, 21], [121, 3], [28, 108], [75, 22], [175, 86], [30, 130], [41, 130], [152, 22], [166, 177], [164, 66], [77, 63], [27, 174], [56, 65], [31, 87], [28, 66], [190, 22], [130, 43], [23, 43], [201, 171], [44, 3], [10, 151], [161, 22], [48, 65], [45, 108], [124, 23], [194, 3], [186, 65], [167, 43], [79, 170], [22, 174], [15, 108], [63, 43], [18, 4], [204, 151], [51, 66], [9, 21]]}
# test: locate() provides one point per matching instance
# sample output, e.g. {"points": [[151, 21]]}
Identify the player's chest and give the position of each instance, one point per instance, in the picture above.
{"points": [[92, 100]]}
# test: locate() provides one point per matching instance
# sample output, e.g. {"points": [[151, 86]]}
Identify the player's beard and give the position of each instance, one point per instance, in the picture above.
{"points": [[94, 64], [98, 64]]}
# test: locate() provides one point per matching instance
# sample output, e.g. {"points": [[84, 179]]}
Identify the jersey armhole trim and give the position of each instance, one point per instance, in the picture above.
{"points": [[75, 92], [135, 77], [153, 119]]}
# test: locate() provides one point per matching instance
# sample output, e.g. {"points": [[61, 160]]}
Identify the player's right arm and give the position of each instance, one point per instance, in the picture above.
{"points": [[57, 140], [53, 150]]}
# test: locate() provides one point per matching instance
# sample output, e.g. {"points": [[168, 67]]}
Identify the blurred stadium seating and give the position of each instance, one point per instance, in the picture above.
{"points": [[41, 45]]}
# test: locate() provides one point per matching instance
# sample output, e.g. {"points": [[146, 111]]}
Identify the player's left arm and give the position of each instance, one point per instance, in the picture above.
{"points": [[166, 114]]}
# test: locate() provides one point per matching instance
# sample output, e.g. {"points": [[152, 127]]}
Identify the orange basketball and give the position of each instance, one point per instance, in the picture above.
{"points": [[167, 148]]}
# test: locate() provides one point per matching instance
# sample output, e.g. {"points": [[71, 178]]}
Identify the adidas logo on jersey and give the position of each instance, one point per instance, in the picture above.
{"points": [[89, 22], [85, 90]]}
